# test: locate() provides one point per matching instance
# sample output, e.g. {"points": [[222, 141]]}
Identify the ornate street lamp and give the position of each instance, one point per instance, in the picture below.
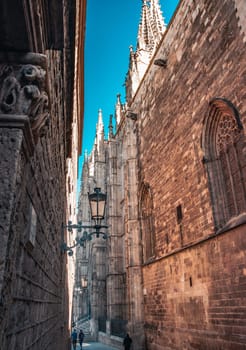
{"points": [[97, 201], [84, 282]]}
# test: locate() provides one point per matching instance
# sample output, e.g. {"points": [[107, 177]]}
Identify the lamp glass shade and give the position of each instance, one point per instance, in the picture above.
{"points": [[97, 201], [84, 282]]}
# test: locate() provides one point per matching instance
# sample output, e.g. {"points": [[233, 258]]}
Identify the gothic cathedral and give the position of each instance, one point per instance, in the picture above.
{"points": [[172, 271]]}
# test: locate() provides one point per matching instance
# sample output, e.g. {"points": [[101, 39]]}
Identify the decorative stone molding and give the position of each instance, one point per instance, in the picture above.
{"points": [[23, 90]]}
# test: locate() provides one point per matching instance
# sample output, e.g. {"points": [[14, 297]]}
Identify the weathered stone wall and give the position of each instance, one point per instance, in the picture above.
{"points": [[90, 259], [10, 145], [116, 305], [196, 294], [132, 237], [33, 203]]}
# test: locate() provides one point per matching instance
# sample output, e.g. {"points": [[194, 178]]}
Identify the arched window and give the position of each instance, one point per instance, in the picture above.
{"points": [[146, 214], [224, 147]]}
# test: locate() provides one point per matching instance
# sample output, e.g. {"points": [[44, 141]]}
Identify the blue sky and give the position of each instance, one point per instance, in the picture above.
{"points": [[111, 27]]}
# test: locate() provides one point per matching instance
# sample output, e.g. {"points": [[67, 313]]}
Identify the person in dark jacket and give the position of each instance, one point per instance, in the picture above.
{"points": [[127, 342], [81, 338], [74, 338]]}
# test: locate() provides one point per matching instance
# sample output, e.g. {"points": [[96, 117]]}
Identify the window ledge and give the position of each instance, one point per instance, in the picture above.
{"points": [[233, 222]]}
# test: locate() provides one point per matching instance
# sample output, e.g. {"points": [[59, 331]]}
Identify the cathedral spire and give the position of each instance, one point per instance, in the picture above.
{"points": [[144, 29], [150, 31], [84, 173], [157, 21], [98, 148], [86, 156], [85, 166], [110, 127], [99, 130], [151, 26], [100, 126], [118, 109]]}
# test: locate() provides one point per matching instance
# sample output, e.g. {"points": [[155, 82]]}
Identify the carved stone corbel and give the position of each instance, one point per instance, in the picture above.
{"points": [[23, 92]]}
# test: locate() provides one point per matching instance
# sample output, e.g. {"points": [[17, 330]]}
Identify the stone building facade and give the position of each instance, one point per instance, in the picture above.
{"points": [[172, 271], [90, 274], [41, 109]]}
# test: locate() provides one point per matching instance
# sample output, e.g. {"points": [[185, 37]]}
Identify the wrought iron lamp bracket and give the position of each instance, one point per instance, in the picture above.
{"points": [[85, 237]]}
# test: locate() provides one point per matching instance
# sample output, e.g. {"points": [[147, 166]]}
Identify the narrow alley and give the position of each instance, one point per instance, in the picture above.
{"points": [[123, 174], [94, 346]]}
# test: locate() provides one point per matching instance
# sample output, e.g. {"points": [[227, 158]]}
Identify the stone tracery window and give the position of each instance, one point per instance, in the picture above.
{"points": [[146, 214], [224, 146]]}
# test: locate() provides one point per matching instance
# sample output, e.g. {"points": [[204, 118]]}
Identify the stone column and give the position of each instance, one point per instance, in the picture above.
{"points": [[133, 243], [116, 304], [23, 116]]}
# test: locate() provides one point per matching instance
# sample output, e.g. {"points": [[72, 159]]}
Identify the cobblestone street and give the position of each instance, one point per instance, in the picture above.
{"points": [[94, 346]]}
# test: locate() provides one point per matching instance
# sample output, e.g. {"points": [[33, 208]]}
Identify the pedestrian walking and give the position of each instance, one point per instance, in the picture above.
{"points": [[127, 342], [81, 338], [74, 337]]}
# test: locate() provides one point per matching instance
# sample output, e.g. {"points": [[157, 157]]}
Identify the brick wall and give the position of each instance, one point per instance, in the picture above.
{"points": [[194, 298]]}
